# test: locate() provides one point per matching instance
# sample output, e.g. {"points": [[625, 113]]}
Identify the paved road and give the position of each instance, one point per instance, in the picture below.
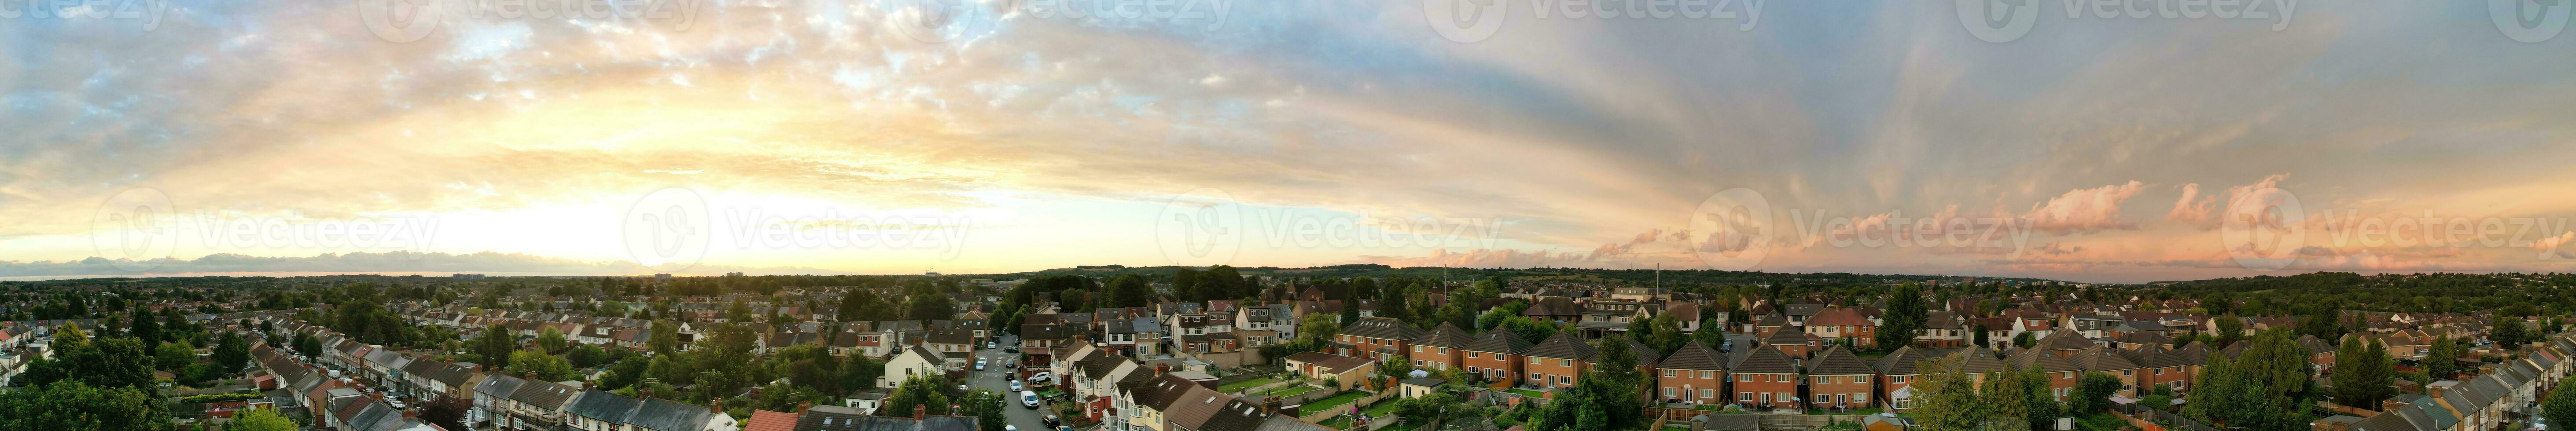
{"points": [[995, 378]]}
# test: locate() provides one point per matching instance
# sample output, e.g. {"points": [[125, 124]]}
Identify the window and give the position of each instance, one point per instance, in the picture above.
{"points": [[1565, 362], [1671, 373], [1708, 393], [1533, 361], [1471, 355], [1668, 393]]}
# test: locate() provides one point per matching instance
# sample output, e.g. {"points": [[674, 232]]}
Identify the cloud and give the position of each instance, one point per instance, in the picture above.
{"points": [[1483, 258], [2084, 210], [2556, 246], [2204, 212]]}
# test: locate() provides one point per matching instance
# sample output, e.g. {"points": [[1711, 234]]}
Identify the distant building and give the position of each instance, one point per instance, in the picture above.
{"points": [[467, 276]]}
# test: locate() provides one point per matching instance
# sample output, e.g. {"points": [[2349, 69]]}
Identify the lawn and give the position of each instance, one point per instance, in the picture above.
{"points": [[1247, 384], [1292, 390], [1870, 411], [1529, 393], [1336, 401]]}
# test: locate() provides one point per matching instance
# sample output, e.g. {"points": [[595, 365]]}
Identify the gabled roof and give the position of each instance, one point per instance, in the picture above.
{"points": [[2102, 359], [1563, 346], [2064, 339], [1905, 361], [603, 406], [1447, 335], [1760, 360], [1383, 328], [1504, 342], [1838, 361], [1693, 357], [544, 395], [1838, 316]]}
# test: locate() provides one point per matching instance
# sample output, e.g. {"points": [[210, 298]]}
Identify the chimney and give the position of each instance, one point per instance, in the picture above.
{"points": [[411, 414], [800, 407], [920, 411], [1269, 405], [585, 385], [1159, 369], [716, 406], [527, 375]]}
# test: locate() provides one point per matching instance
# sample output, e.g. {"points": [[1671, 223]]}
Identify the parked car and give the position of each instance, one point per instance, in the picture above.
{"points": [[1029, 399], [1053, 421], [1042, 377], [979, 365], [1010, 363], [1016, 386]]}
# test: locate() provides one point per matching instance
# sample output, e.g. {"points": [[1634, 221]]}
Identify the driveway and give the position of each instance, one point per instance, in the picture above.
{"points": [[995, 378]]}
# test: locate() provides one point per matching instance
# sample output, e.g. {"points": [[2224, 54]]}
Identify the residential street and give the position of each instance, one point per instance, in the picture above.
{"points": [[997, 379]]}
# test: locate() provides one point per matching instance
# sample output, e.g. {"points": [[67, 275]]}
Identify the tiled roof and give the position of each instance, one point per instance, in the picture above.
{"points": [[1382, 328], [1504, 342], [1447, 335], [546, 395], [1563, 346], [1838, 361], [1761, 360], [1838, 316]]}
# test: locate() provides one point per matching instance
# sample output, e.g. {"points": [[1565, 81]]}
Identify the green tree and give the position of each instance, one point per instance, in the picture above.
{"points": [[923, 390], [1905, 318], [2560, 406], [665, 339], [143, 327], [2024, 340], [74, 406], [1128, 290], [173, 357], [2092, 393], [232, 353], [2007, 398], [260, 420], [495, 344], [2363, 373], [549, 368], [2230, 329], [2508, 331], [1948, 397], [552, 342], [308, 346], [2442, 358]]}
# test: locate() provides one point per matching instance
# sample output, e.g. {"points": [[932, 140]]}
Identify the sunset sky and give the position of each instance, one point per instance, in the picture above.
{"points": [[1017, 138]]}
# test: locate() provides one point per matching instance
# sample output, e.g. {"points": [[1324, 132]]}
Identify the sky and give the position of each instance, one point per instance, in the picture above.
{"points": [[2120, 141]]}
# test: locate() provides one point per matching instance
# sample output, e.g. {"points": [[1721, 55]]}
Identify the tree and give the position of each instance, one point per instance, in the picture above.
{"points": [[2326, 323], [1948, 397], [75, 406], [1977, 336], [2363, 373], [144, 328], [1905, 318], [2007, 398], [923, 390], [2441, 359], [2508, 331], [986, 408], [2092, 393], [260, 420], [308, 346], [549, 368], [232, 353], [2560, 406], [1129, 290], [552, 342], [173, 357], [446, 412], [2230, 329], [1318, 328], [665, 340], [494, 345], [2024, 340]]}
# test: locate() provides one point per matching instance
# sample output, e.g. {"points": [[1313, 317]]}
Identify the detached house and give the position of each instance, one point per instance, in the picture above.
{"points": [[1691, 375], [1558, 362], [1377, 338]]}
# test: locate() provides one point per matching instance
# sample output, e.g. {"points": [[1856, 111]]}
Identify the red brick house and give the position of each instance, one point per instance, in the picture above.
{"points": [[1763, 377], [1692, 375], [1839, 380], [1843, 323], [1496, 355], [1377, 338], [1439, 350], [1558, 362]]}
